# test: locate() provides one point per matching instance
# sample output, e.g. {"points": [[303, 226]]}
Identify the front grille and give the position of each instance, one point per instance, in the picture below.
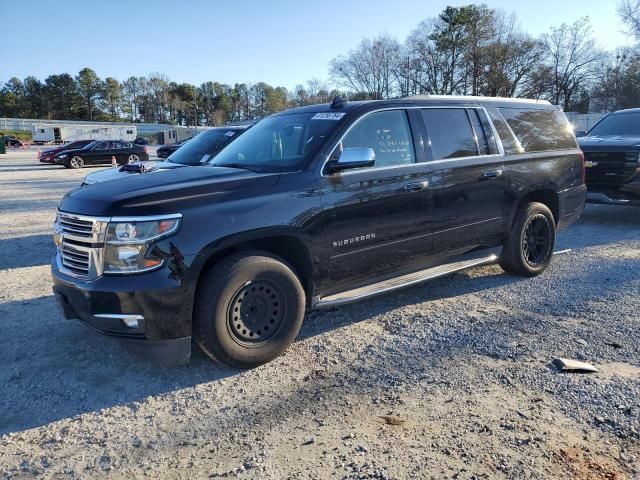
{"points": [[75, 258], [80, 244], [75, 226], [611, 168]]}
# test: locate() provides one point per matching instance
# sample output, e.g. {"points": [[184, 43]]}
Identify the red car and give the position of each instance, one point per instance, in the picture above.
{"points": [[48, 156]]}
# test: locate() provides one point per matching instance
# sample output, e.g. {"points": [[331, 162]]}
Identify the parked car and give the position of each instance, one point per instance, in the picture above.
{"points": [[49, 155], [166, 150], [202, 149], [612, 154], [101, 152], [11, 141], [313, 208]]}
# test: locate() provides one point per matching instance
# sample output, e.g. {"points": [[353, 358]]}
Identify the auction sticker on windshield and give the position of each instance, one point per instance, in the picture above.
{"points": [[328, 116]]}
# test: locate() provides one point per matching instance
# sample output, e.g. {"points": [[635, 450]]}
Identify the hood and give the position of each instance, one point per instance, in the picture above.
{"points": [[161, 192], [114, 173], [609, 142]]}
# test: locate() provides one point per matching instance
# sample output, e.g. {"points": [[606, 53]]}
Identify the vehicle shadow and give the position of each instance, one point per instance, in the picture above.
{"points": [[54, 368], [26, 251]]}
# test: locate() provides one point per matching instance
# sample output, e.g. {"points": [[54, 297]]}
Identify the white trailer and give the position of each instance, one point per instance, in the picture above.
{"points": [[61, 133]]}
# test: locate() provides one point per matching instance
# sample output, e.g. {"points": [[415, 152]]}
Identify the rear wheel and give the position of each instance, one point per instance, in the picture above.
{"points": [[76, 162], [529, 247], [248, 310], [133, 158]]}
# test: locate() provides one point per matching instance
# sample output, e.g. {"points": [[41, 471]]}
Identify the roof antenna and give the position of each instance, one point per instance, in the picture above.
{"points": [[338, 102]]}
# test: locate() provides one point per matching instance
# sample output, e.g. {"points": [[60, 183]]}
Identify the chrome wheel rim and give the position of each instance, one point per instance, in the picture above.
{"points": [[133, 158], [76, 162]]}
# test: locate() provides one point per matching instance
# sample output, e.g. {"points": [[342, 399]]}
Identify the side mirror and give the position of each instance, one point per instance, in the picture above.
{"points": [[581, 133], [355, 157]]}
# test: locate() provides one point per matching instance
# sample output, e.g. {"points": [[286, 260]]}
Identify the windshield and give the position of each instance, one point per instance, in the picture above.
{"points": [[202, 147], [278, 144], [621, 124]]}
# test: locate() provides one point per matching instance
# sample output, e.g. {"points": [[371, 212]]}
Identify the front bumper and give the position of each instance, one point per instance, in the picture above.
{"points": [[161, 306], [612, 198]]}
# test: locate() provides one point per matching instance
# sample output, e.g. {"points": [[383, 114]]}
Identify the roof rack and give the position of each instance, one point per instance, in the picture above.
{"points": [[471, 98]]}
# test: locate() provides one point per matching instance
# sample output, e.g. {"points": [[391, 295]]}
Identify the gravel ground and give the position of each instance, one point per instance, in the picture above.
{"points": [[450, 379]]}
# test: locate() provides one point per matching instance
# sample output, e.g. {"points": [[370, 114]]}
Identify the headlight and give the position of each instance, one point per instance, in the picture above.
{"points": [[62, 155], [128, 247]]}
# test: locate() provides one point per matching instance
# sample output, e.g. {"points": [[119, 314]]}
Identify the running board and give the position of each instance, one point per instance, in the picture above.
{"points": [[401, 282]]}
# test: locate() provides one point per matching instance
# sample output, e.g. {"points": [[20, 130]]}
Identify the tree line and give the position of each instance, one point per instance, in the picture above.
{"points": [[468, 50]]}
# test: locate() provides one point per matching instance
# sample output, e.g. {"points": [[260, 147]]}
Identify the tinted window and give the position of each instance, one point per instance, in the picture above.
{"points": [[483, 146], [388, 133], [450, 133], [202, 148], [278, 143], [540, 130], [623, 124], [510, 144]]}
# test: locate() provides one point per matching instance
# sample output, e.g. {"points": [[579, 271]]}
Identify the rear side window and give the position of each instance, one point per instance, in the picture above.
{"points": [[388, 133], [510, 143], [540, 130], [450, 133]]}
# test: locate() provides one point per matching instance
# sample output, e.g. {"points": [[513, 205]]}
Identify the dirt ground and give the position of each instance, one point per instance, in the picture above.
{"points": [[450, 379]]}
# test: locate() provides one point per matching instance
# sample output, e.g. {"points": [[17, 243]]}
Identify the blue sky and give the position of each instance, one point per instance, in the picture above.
{"points": [[280, 42]]}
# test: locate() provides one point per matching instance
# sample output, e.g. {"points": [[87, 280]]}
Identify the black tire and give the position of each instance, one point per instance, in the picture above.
{"points": [[76, 162], [529, 247], [250, 334]]}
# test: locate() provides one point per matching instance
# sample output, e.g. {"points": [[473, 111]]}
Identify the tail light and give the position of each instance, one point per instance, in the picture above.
{"points": [[146, 150]]}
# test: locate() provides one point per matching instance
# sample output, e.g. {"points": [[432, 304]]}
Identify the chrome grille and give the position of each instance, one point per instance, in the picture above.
{"points": [[78, 227], [80, 244], [75, 258]]}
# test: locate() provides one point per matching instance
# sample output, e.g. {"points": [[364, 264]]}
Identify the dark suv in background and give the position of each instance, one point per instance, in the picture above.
{"points": [[313, 208], [612, 154]]}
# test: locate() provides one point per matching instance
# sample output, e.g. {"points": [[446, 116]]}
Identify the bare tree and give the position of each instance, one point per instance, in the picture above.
{"points": [[369, 68], [572, 55], [512, 58], [629, 11]]}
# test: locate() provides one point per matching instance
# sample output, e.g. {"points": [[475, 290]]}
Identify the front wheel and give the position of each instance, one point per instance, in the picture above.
{"points": [[133, 158], [248, 310], [529, 246], [76, 162]]}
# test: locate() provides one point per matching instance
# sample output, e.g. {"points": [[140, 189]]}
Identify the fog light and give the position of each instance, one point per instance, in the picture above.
{"points": [[127, 320], [131, 322]]}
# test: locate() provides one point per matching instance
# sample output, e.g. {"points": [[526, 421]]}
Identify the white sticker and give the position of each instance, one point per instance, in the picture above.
{"points": [[328, 116], [230, 133]]}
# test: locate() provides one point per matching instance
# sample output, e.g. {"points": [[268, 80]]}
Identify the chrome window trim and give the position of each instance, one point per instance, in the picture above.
{"points": [[430, 162]]}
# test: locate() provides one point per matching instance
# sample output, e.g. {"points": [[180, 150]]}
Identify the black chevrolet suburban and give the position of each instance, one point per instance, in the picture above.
{"points": [[612, 154], [313, 208]]}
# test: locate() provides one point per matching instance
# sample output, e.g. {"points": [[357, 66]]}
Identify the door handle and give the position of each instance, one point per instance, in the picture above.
{"points": [[412, 187], [492, 174]]}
